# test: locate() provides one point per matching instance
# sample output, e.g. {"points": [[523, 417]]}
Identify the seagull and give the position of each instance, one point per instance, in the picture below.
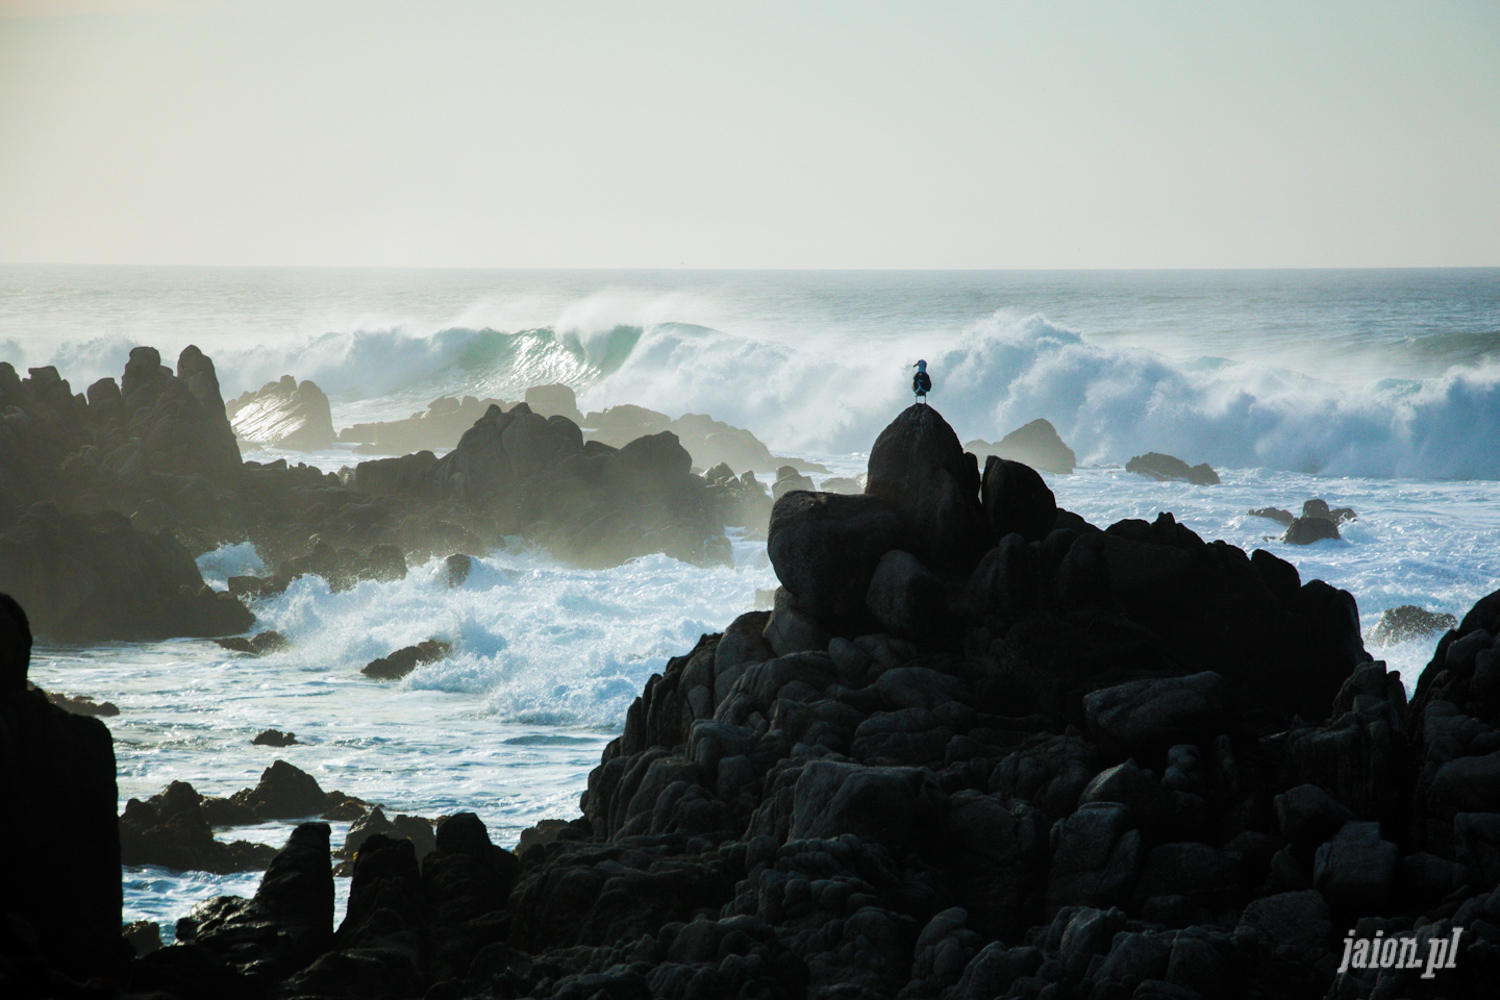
{"points": [[921, 382]]}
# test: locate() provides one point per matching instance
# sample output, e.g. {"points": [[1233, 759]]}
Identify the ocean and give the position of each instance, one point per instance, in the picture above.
{"points": [[1376, 390]]}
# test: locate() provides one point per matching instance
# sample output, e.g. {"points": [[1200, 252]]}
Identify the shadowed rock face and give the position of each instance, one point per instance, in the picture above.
{"points": [[922, 473], [89, 579], [57, 780]]}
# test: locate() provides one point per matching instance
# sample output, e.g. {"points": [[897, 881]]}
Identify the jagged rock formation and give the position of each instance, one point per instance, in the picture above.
{"points": [[284, 414], [956, 764], [156, 453], [1036, 444]]}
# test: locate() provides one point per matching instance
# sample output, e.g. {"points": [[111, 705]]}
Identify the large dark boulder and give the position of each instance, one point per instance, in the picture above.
{"points": [[1017, 500], [920, 470], [89, 579], [61, 879], [176, 423], [287, 924], [825, 547], [284, 414]]}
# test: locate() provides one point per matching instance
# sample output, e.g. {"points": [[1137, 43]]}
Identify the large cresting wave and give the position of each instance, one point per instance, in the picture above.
{"points": [[832, 394]]}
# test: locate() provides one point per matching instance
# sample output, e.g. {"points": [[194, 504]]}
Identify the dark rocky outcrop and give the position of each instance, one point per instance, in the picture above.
{"points": [[79, 704], [87, 579], [60, 886], [1166, 468], [923, 474], [1122, 763], [1036, 444], [155, 453], [1306, 530], [274, 738], [403, 661], [284, 414], [172, 829], [1406, 623]]}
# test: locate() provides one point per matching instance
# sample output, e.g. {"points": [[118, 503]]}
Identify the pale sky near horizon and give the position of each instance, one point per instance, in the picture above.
{"points": [[750, 135]]}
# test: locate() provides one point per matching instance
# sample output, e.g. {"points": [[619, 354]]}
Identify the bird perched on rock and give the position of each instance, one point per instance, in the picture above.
{"points": [[921, 382]]}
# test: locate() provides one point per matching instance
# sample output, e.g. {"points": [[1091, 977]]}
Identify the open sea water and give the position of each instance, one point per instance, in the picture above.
{"points": [[1377, 390]]}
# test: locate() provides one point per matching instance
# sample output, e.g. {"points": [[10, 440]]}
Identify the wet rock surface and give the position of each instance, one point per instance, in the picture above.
{"points": [[284, 414]]}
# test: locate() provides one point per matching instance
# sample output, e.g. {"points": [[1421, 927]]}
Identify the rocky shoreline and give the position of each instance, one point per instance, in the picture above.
{"points": [[979, 748], [107, 496]]}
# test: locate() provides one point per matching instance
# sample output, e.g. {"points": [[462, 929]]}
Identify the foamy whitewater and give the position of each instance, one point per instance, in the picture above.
{"points": [[1374, 390]]}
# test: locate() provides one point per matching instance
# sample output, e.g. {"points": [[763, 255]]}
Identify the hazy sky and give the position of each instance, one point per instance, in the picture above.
{"points": [[751, 135]]}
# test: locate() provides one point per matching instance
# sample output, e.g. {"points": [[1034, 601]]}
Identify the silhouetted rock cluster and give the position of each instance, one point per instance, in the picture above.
{"points": [[979, 748], [106, 497], [1316, 523], [175, 827]]}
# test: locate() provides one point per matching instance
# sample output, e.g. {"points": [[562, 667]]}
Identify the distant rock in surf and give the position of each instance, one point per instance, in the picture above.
{"points": [[258, 645], [707, 440], [1318, 507], [788, 479], [1036, 444], [1315, 508], [284, 414], [1166, 468], [275, 738], [436, 429], [1406, 623], [1306, 530], [404, 661]]}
